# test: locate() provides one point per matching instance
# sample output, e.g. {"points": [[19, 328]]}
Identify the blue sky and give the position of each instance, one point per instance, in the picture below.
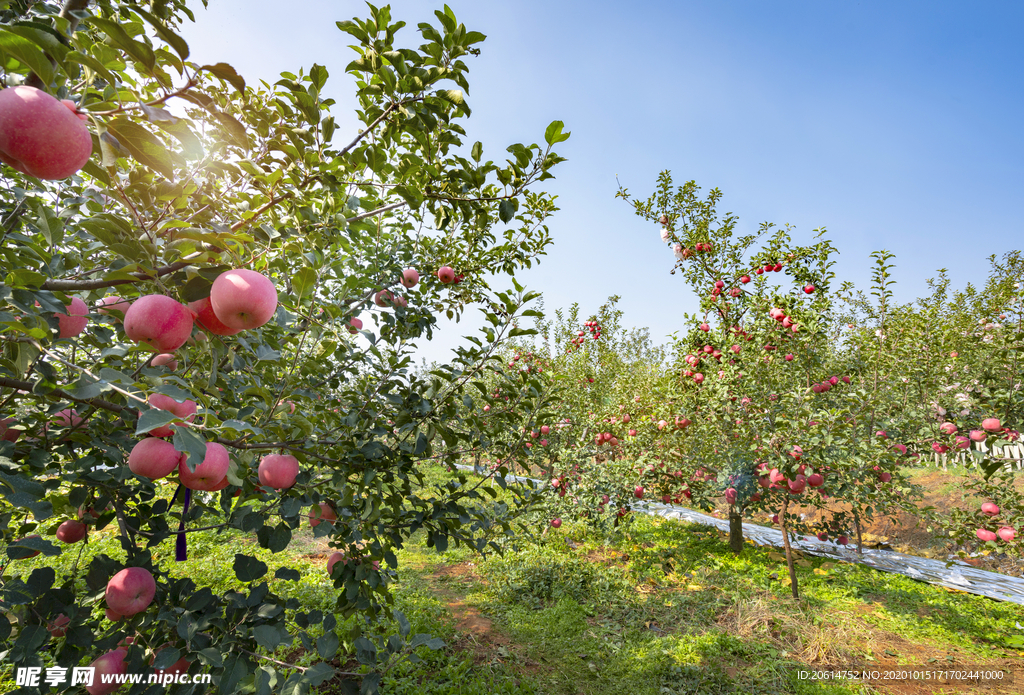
{"points": [[893, 125]]}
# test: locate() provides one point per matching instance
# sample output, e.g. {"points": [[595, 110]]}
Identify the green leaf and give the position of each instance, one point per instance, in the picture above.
{"points": [[318, 75], [137, 50], [327, 645], [191, 443], [370, 685], [226, 73], [507, 209], [554, 133], [154, 418], [287, 574], [270, 636], [304, 281], [145, 147], [249, 569], [172, 39], [28, 54]]}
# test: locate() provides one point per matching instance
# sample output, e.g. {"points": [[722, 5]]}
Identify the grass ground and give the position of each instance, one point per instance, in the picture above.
{"points": [[666, 608]]}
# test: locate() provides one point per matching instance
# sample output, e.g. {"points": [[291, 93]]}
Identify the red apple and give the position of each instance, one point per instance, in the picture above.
{"points": [[6, 433], [638, 492], [815, 480], [186, 410], [354, 325], [165, 359], [108, 665], [32, 553], [159, 321], [1007, 533], [991, 424], [978, 436], [698, 378], [822, 536], [324, 512], [40, 136], [985, 535], [154, 458], [409, 278], [74, 322], [334, 559], [208, 474], [58, 626], [71, 531], [990, 508], [278, 471], [130, 591], [243, 298], [744, 279], [705, 327], [446, 275], [808, 288], [788, 358], [202, 309], [947, 428], [842, 540], [885, 476]]}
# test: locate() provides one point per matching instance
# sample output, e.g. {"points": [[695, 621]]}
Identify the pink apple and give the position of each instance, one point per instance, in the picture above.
{"points": [[882, 434], [900, 448], [113, 306], [797, 452], [110, 664], [202, 309], [208, 474], [978, 436], [698, 378], [788, 358], [939, 448], [947, 428], [71, 531], [545, 429], [74, 322], [159, 321], [409, 278], [730, 495], [8, 434], [384, 298], [744, 279], [130, 591], [40, 136], [990, 508], [165, 359], [324, 512], [797, 485], [991, 424], [846, 380], [243, 298], [446, 275], [985, 535], [487, 408], [154, 458], [58, 626], [815, 480], [705, 327], [962, 442], [354, 325], [186, 410], [1007, 533], [334, 559], [885, 476], [662, 424], [278, 471]]}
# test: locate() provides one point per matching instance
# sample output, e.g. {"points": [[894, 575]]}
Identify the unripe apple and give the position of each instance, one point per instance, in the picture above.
{"points": [[324, 512], [991, 424], [409, 278], [446, 275], [990, 508], [154, 458], [243, 298], [278, 471], [159, 321], [109, 665], [186, 410], [208, 474], [130, 591], [74, 322], [1007, 533], [202, 309], [985, 535], [40, 136], [71, 531]]}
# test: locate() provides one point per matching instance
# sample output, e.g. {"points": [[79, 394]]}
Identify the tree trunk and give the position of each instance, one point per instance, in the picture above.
{"points": [[856, 524], [789, 552], [735, 530]]}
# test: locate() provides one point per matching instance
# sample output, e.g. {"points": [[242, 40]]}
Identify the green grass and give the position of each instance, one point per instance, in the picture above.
{"points": [[666, 608]]}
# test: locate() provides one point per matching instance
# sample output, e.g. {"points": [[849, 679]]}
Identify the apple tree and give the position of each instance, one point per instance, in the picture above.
{"points": [[208, 326]]}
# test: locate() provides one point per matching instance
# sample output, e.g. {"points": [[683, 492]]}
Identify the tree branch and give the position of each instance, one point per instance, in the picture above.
{"points": [[76, 285]]}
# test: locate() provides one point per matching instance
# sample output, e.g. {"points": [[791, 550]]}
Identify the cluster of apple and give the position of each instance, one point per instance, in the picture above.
{"points": [[1004, 533], [683, 252], [527, 363], [827, 384], [543, 431], [576, 343], [386, 298], [989, 425]]}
